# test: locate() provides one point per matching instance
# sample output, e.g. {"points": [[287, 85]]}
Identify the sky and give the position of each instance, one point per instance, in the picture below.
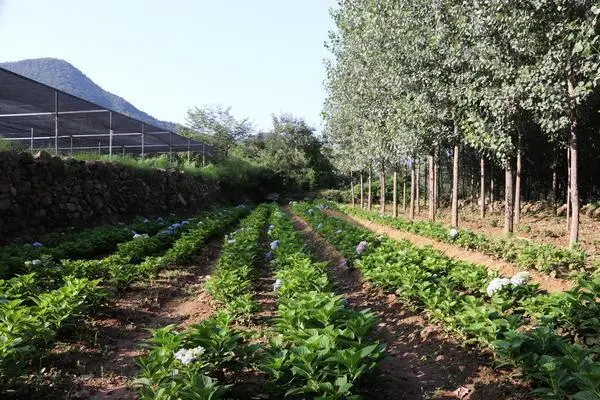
{"points": [[164, 56]]}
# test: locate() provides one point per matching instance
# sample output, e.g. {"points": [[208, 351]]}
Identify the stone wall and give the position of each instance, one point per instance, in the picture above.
{"points": [[43, 193]]}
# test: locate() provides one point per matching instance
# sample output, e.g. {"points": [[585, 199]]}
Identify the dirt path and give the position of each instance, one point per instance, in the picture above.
{"points": [[423, 362], [545, 281], [252, 383], [102, 363]]}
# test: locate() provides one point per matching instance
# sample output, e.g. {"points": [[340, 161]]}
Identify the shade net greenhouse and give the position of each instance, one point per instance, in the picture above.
{"points": [[37, 116]]}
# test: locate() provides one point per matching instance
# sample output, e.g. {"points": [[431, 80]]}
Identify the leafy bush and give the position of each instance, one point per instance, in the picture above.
{"points": [[428, 279], [323, 349], [231, 283], [180, 364], [526, 254]]}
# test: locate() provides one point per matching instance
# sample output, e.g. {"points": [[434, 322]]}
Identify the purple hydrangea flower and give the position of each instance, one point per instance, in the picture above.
{"points": [[274, 244], [268, 256], [362, 247], [185, 222], [37, 244], [343, 263]]}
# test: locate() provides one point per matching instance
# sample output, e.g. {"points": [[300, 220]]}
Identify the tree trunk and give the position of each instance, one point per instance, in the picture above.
{"points": [[574, 234], [517, 216], [382, 190], [436, 186], [395, 195], [412, 191], [568, 187], [491, 188], [472, 186], [482, 188], [431, 188], [554, 195], [352, 189], [455, 188], [362, 191], [404, 191], [508, 199], [369, 195], [417, 191]]}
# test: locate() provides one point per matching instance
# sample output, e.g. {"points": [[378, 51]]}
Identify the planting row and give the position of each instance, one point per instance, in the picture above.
{"points": [[546, 258], [552, 338], [35, 307], [86, 244], [322, 349], [319, 347], [192, 364]]}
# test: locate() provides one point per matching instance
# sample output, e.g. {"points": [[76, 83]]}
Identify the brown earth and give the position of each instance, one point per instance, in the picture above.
{"points": [[99, 360], [423, 362], [543, 227], [507, 269]]}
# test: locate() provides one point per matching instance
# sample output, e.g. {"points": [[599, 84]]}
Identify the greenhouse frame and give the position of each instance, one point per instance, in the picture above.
{"points": [[37, 116]]}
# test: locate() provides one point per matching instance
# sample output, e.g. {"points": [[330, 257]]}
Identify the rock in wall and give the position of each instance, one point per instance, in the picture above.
{"points": [[43, 193]]}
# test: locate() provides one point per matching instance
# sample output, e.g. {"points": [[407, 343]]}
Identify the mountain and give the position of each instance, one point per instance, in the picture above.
{"points": [[64, 76]]}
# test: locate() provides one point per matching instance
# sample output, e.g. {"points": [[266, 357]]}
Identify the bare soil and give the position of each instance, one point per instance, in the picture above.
{"points": [[543, 227], [507, 269], [423, 362], [99, 360]]}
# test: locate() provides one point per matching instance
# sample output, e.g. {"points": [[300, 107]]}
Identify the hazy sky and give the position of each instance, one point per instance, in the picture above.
{"points": [[165, 56]]}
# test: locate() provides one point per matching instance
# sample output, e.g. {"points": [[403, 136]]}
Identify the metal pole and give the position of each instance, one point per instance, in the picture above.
{"points": [[110, 138], [123, 151], [170, 148], [99, 148], [71, 145], [203, 153], [31, 145], [188, 150], [56, 122], [142, 140]]}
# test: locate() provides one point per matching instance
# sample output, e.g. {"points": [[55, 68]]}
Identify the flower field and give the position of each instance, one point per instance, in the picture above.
{"points": [[314, 343], [545, 258], [551, 338], [50, 295]]}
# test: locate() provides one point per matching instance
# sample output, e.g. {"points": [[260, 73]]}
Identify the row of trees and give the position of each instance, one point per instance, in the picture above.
{"points": [[420, 80], [290, 153]]}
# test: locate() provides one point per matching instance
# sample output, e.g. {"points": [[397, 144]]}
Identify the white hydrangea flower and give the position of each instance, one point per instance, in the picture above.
{"points": [[277, 285], [187, 356], [36, 262], [453, 233], [520, 278], [496, 285]]}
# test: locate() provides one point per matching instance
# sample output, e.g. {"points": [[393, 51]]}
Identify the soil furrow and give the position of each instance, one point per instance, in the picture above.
{"points": [[102, 363], [546, 282], [423, 362]]}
